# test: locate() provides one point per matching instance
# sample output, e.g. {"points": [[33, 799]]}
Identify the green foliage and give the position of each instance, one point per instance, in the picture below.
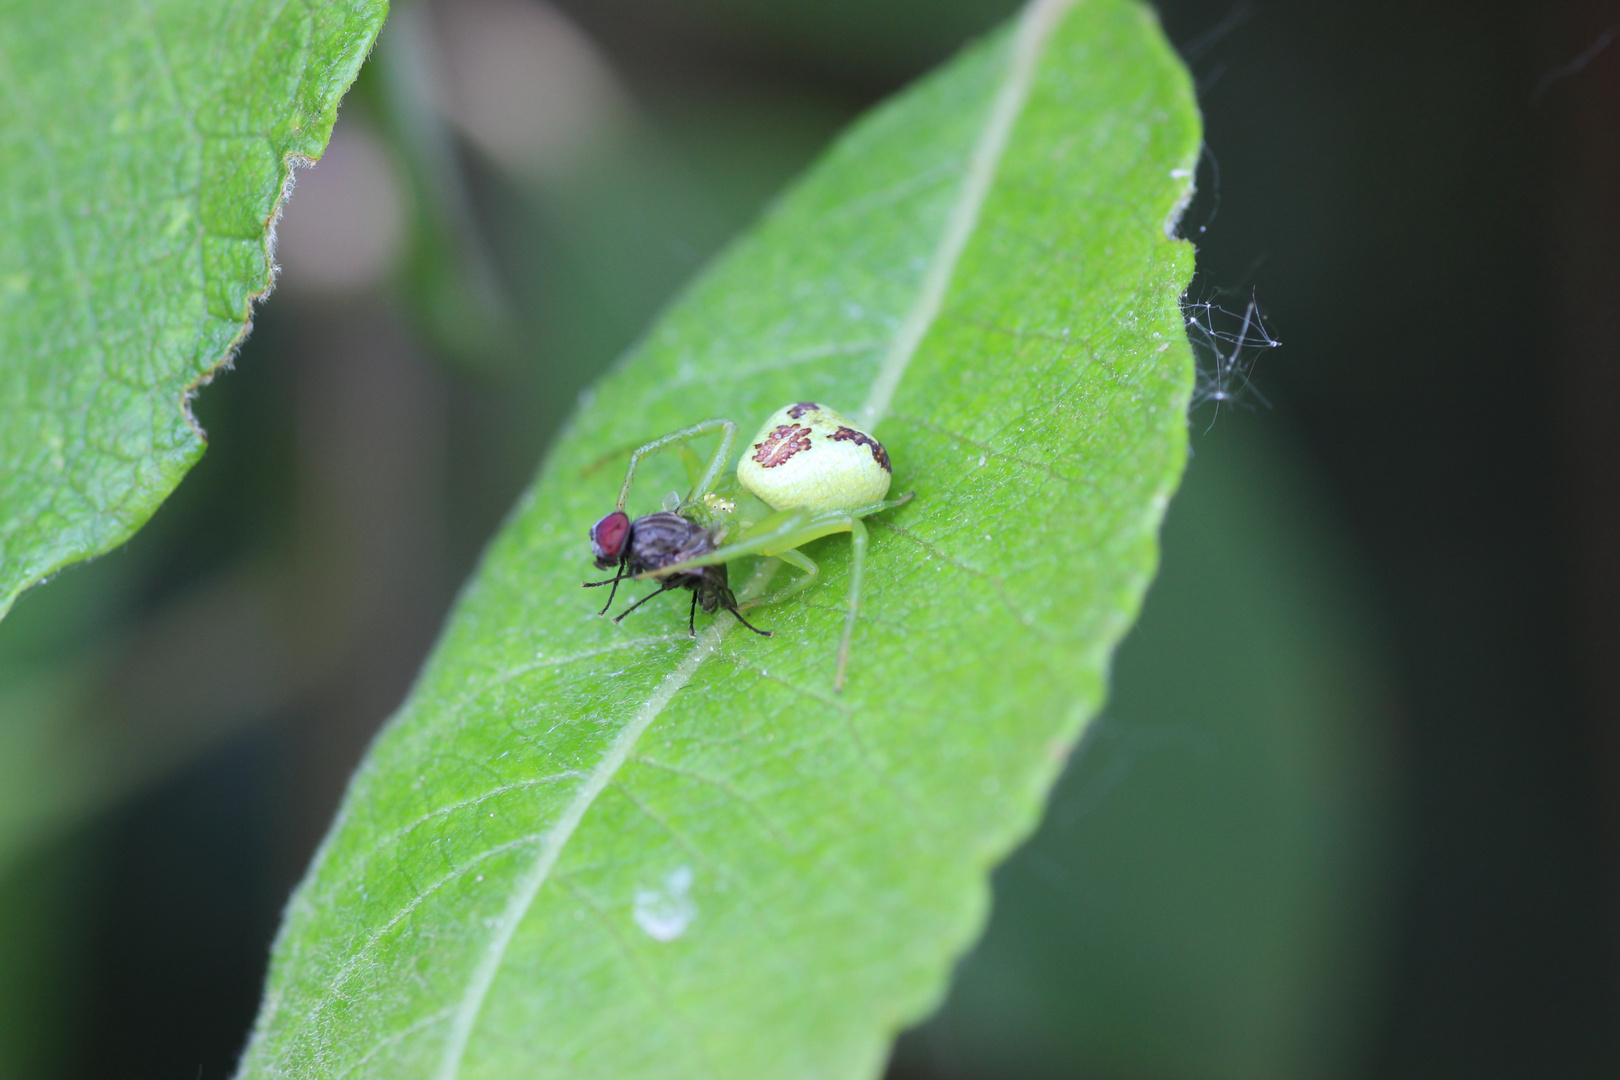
{"points": [[1207, 895], [584, 849], [145, 149], [43, 908]]}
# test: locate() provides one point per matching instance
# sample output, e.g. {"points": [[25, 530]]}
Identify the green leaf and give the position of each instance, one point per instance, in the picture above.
{"points": [[1208, 896], [146, 148], [590, 850]]}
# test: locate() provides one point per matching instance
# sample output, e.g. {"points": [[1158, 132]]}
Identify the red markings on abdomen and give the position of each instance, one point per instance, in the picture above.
{"points": [[860, 438], [782, 443]]}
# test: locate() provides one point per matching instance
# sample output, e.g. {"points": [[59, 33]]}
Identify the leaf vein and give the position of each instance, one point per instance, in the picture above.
{"points": [[995, 582], [555, 839], [721, 785], [389, 839], [367, 948], [991, 450], [1037, 24], [645, 979], [397, 1037]]}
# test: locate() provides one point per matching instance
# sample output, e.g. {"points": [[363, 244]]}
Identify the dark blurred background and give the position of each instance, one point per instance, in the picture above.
{"points": [[1354, 807]]}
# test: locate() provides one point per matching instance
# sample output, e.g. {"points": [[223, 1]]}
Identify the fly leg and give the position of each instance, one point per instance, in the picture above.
{"points": [[729, 603], [667, 586], [613, 581], [717, 463], [800, 561]]}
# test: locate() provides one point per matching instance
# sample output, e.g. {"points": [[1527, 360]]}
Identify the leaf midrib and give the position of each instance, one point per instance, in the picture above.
{"points": [[1035, 27], [557, 838]]}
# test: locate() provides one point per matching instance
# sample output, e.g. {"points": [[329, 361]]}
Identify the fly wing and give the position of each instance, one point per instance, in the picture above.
{"points": [[699, 546], [664, 538]]}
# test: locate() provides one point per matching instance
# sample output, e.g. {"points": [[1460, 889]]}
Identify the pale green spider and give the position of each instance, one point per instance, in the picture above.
{"points": [[808, 473]]}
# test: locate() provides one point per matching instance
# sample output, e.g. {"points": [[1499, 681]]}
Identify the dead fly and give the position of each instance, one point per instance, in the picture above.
{"points": [[651, 543]]}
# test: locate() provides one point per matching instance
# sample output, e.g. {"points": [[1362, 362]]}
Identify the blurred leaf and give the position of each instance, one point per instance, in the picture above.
{"points": [[590, 850], [44, 908], [460, 299], [854, 38], [145, 148], [81, 730]]}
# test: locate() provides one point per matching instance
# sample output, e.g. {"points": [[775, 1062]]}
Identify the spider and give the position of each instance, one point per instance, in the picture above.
{"points": [[809, 473]]}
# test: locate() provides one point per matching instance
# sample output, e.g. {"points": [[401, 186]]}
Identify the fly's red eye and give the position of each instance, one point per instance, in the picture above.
{"points": [[608, 536]]}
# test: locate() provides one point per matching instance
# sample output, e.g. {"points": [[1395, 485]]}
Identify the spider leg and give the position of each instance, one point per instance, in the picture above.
{"points": [[783, 530], [799, 560], [717, 463], [777, 536], [666, 586], [857, 571], [691, 616]]}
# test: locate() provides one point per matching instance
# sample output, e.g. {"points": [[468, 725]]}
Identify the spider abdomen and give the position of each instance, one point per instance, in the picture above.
{"points": [[810, 457]]}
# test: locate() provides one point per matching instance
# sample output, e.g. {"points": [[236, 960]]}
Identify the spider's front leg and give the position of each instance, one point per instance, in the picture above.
{"points": [[717, 463], [777, 535], [782, 531]]}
